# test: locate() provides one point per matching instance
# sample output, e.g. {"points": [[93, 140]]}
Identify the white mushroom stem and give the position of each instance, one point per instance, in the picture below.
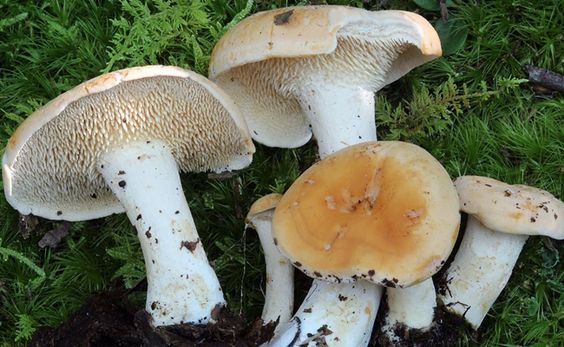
{"points": [[279, 296], [182, 286], [334, 315], [413, 307], [351, 122], [340, 116], [480, 270]]}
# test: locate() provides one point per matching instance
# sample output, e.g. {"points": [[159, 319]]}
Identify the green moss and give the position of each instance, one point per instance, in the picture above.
{"points": [[472, 110]]}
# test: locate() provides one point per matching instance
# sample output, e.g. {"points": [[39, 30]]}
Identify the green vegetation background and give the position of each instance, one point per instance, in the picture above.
{"points": [[471, 109]]}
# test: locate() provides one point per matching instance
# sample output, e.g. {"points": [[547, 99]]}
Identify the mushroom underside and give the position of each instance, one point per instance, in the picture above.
{"points": [[284, 97]]}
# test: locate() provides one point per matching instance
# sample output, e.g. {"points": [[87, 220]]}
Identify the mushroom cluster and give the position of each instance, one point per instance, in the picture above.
{"points": [[369, 216], [298, 71]]}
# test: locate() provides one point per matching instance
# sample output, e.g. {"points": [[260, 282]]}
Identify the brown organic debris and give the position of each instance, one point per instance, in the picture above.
{"points": [[189, 245], [108, 319], [53, 237], [548, 81], [283, 18]]}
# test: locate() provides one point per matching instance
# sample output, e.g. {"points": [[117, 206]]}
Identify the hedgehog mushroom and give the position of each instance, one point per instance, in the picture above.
{"points": [[380, 212], [116, 143], [501, 218], [279, 297], [318, 66]]}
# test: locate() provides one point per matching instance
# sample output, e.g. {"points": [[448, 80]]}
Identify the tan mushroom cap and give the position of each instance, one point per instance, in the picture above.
{"points": [[259, 59], [513, 209], [381, 211], [49, 163], [263, 204], [312, 30]]}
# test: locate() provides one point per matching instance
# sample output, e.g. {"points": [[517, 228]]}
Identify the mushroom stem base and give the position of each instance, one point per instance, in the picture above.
{"points": [[182, 286], [480, 271], [412, 307], [332, 314], [279, 296]]}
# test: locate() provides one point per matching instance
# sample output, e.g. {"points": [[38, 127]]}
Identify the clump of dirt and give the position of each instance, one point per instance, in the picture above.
{"points": [[229, 330], [107, 319], [102, 321], [447, 330]]}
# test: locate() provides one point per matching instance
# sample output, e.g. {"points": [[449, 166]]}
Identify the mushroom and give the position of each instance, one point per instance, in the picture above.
{"points": [[279, 297], [383, 212], [116, 143], [501, 216], [294, 68]]}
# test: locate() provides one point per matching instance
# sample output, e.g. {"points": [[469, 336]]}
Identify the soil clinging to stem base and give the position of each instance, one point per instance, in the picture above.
{"points": [[446, 330], [107, 319]]}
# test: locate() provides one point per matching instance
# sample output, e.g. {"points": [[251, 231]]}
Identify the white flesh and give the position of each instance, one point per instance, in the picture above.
{"points": [[337, 314], [279, 296], [182, 286], [480, 270], [413, 307], [340, 116]]}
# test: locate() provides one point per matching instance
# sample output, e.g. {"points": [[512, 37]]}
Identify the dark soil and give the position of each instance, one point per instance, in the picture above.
{"points": [[107, 319], [447, 330]]}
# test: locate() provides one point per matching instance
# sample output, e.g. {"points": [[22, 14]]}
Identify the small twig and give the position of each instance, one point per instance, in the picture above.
{"points": [[53, 237], [545, 78], [444, 10], [237, 187], [244, 271]]}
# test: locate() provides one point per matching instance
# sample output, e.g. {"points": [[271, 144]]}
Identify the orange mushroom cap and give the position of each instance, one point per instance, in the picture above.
{"points": [[386, 212]]}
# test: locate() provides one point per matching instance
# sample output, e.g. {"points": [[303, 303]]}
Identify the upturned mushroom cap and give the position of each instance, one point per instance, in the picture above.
{"points": [[261, 60], [383, 211], [514, 209], [49, 166]]}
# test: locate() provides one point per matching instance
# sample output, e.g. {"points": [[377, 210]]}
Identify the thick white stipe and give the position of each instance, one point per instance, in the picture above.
{"points": [[480, 270], [182, 286], [413, 307], [339, 116]]}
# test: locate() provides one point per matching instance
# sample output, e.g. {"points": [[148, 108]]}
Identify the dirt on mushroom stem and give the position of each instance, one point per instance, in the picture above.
{"points": [[110, 319], [445, 331]]}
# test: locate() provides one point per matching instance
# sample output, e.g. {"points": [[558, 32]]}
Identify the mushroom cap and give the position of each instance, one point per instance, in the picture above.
{"points": [[263, 204], [49, 165], [513, 209], [260, 60], [386, 212]]}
